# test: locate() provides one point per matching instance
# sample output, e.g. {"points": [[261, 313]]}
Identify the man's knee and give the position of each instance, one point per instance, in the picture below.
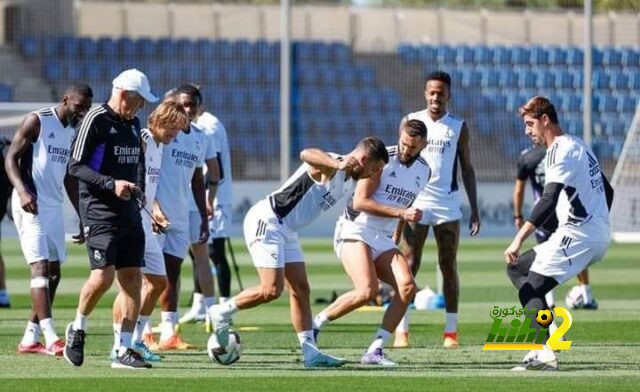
{"points": [[535, 286], [102, 278], [157, 284], [366, 295], [407, 290], [271, 292]]}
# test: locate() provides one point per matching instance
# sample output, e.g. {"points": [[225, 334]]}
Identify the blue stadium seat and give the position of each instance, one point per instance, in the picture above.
{"points": [[557, 56], [407, 53], [307, 76], [634, 80], [339, 52], [166, 48], [545, 79], [73, 72], [445, 54], [575, 56], [489, 78], [107, 48], [539, 56], [464, 55], [95, 72], [186, 49], [600, 80], [470, 77], [597, 57], [482, 55], [578, 78], [245, 50], [570, 102], [346, 76], [526, 78], [626, 104], [69, 47], [6, 93], [88, 49], [520, 55], [501, 55], [29, 46], [146, 48], [564, 79], [612, 57], [127, 48], [630, 57], [606, 103], [365, 76], [328, 76], [205, 49], [508, 78], [618, 81], [427, 54]]}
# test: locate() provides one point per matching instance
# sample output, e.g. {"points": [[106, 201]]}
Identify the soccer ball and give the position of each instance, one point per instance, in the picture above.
{"points": [[574, 298], [233, 349], [544, 317], [425, 299]]}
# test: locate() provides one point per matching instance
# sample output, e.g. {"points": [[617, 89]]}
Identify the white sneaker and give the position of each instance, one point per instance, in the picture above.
{"points": [[192, 316], [538, 360], [221, 326]]}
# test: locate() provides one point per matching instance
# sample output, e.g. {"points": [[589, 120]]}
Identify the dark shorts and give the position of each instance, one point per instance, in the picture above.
{"points": [[119, 246]]}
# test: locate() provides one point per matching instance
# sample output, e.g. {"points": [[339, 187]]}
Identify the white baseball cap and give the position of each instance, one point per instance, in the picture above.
{"points": [[134, 80]]}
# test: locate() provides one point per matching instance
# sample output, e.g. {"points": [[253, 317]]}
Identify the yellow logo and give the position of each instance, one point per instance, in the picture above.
{"points": [[544, 317]]}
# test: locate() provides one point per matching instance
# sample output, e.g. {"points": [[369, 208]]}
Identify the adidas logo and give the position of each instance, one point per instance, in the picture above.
{"points": [[112, 131], [52, 135], [393, 174]]}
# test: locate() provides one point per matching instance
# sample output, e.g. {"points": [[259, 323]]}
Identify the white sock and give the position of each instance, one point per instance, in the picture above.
{"points": [[126, 339], [307, 344], [168, 326], [208, 302], [31, 334], [196, 305], [80, 323], [552, 328], [4, 296], [147, 328], [451, 324], [228, 308], [549, 298], [49, 331], [223, 299], [379, 340], [141, 325], [116, 335], [320, 320], [403, 326], [586, 293]]}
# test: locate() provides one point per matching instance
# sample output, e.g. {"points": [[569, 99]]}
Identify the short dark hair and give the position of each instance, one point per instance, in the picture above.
{"points": [[537, 106], [441, 76], [374, 148], [190, 89], [80, 89], [415, 128]]}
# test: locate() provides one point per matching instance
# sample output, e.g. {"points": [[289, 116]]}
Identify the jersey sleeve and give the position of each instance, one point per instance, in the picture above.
{"points": [[559, 166], [87, 152], [522, 170], [213, 146]]}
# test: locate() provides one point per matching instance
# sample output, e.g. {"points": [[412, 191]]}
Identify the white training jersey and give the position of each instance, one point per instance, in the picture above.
{"points": [[152, 165], [211, 152], [441, 154], [399, 187], [180, 159], [213, 126], [582, 206], [44, 164], [301, 199]]}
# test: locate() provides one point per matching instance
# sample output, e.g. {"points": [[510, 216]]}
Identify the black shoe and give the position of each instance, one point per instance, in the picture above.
{"points": [[130, 360], [74, 346], [6, 305]]}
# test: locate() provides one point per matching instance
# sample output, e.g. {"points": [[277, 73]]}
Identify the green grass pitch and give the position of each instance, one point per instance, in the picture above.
{"points": [[604, 353]]}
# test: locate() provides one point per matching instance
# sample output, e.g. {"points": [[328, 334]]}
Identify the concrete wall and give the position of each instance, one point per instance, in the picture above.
{"points": [[367, 29]]}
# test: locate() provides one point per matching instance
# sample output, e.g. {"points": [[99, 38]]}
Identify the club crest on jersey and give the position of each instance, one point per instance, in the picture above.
{"points": [[113, 131], [393, 174], [52, 135]]}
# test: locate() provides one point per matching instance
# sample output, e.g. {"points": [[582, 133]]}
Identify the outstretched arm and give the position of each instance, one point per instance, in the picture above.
{"points": [[363, 202]]}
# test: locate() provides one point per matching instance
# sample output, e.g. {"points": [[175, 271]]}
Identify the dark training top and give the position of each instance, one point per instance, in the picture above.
{"points": [[106, 148], [531, 167]]}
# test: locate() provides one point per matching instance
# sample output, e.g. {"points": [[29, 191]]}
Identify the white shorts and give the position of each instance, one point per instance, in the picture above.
{"points": [[153, 257], [270, 243], [175, 241], [378, 241], [435, 214], [42, 235], [194, 227], [220, 224], [562, 257]]}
